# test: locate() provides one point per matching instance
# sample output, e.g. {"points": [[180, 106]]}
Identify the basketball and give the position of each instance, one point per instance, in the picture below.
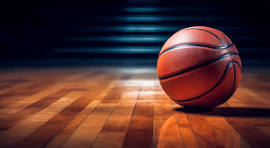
{"points": [[199, 67]]}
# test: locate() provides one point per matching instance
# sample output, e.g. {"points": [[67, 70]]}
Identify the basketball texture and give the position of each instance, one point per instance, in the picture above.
{"points": [[199, 67]]}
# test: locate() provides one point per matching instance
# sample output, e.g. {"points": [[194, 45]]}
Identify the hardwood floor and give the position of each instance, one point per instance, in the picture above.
{"points": [[110, 107]]}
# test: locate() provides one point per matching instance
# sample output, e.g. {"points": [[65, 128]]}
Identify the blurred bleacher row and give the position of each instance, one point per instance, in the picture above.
{"points": [[133, 28]]}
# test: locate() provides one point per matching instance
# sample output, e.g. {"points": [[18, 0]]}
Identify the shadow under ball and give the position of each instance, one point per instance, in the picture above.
{"points": [[199, 67]]}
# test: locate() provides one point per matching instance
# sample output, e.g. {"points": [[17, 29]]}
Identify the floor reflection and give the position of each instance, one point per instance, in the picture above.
{"points": [[229, 111], [194, 130]]}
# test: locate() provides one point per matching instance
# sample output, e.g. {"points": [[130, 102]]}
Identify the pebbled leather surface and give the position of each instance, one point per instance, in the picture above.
{"points": [[205, 73]]}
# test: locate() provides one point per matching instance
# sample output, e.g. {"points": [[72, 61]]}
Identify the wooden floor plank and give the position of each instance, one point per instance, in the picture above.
{"points": [[166, 131], [85, 135], [59, 139], [163, 109], [114, 131], [13, 108], [32, 109], [96, 96], [247, 126], [41, 136], [188, 135], [27, 126], [141, 124], [125, 107]]}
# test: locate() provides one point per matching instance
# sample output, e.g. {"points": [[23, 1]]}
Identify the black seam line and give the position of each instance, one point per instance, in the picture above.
{"points": [[219, 81], [222, 42], [209, 46], [226, 38], [234, 81], [198, 66], [239, 66], [194, 44]]}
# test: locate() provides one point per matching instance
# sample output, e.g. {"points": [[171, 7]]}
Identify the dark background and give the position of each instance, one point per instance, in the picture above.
{"points": [[128, 29]]}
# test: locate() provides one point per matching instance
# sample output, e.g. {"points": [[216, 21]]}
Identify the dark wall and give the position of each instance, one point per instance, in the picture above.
{"points": [[125, 28]]}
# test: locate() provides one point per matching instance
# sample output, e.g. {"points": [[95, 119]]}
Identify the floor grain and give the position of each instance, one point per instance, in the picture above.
{"points": [[124, 107]]}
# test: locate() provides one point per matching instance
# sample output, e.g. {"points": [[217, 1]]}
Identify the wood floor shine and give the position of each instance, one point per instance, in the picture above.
{"points": [[111, 107]]}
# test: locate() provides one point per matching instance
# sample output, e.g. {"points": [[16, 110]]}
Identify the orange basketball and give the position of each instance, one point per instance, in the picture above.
{"points": [[199, 67]]}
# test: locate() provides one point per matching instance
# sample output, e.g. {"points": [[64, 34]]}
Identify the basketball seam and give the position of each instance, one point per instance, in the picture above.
{"points": [[198, 66], [215, 47], [226, 38], [215, 86], [234, 82], [179, 46], [215, 35]]}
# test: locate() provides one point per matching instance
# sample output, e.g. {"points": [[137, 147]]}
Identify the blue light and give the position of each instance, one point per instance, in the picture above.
{"points": [[120, 49], [143, 18], [123, 38], [144, 9], [167, 9], [131, 28], [147, 28], [153, 18]]}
